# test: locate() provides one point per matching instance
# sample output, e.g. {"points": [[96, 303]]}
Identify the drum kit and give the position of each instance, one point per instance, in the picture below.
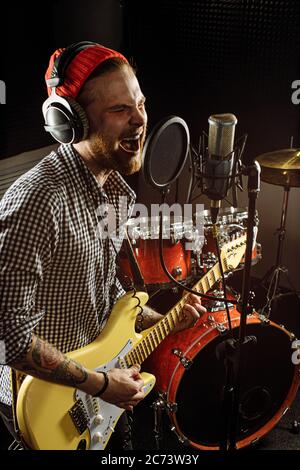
{"points": [[190, 377]]}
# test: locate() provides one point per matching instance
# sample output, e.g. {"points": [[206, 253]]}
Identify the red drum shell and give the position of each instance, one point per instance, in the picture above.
{"points": [[176, 258]]}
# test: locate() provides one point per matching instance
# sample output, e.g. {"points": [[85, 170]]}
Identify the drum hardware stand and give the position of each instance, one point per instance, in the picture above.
{"points": [[275, 271], [234, 351], [159, 405]]}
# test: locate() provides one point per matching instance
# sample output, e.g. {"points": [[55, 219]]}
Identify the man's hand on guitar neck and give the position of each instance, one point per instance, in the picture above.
{"points": [[192, 311]]}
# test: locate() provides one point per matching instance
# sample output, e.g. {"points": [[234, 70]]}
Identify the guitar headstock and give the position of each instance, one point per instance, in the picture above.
{"points": [[232, 253]]}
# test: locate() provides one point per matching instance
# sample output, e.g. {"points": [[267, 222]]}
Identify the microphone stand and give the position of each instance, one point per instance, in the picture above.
{"points": [[234, 351]]}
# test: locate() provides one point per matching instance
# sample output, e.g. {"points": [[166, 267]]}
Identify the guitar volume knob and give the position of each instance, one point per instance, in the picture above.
{"points": [[97, 438], [98, 420]]}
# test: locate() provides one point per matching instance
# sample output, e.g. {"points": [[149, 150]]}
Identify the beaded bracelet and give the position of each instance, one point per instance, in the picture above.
{"points": [[105, 385]]}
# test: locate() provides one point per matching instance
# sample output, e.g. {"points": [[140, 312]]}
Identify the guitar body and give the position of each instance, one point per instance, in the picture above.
{"points": [[54, 416]]}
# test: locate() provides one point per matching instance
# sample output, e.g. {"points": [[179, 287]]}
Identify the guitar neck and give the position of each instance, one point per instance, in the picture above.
{"points": [[166, 325]]}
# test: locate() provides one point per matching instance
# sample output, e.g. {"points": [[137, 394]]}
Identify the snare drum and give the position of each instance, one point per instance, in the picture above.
{"points": [[192, 379], [144, 236], [231, 222]]}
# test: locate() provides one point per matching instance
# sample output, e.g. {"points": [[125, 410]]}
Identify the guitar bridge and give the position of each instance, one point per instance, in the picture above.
{"points": [[79, 416]]}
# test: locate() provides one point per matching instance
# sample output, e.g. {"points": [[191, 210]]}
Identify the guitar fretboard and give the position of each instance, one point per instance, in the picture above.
{"points": [[166, 325]]}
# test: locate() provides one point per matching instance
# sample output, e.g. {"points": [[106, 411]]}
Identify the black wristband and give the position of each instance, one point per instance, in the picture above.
{"points": [[105, 385]]}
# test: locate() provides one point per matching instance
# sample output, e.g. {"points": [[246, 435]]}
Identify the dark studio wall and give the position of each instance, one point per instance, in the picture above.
{"points": [[35, 30], [197, 58]]}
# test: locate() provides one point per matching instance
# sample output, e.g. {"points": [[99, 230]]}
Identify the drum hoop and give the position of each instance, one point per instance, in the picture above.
{"points": [[143, 226], [237, 214]]}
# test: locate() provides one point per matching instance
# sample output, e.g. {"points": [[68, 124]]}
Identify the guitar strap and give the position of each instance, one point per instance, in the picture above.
{"points": [[138, 280]]}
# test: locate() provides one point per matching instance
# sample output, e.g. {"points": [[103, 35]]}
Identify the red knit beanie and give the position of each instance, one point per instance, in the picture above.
{"points": [[80, 68]]}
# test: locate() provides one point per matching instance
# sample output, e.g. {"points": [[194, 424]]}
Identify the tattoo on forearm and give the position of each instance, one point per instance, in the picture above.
{"points": [[49, 363], [70, 373]]}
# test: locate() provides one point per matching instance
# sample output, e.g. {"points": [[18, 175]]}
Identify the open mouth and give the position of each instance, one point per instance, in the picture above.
{"points": [[131, 144]]}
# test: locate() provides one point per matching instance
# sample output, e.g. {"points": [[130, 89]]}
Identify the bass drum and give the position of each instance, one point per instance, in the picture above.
{"points": [[269, 381]]}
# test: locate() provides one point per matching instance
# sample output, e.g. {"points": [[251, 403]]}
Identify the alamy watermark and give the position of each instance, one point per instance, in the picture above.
{"points": [[296, 94], [178, 222], [2, 92], [296, 353]]}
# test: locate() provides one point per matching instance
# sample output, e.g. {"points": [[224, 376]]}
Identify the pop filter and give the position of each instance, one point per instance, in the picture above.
{"points": [[165, 151]]}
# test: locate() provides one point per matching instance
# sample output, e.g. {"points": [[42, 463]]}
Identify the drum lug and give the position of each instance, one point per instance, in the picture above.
{"points": [[177, 271], [184, 360], [221, 328], [292, 335], [263, 319]]}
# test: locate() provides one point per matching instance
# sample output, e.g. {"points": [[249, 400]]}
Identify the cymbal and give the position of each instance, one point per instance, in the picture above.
{"points": [[281, 167]]}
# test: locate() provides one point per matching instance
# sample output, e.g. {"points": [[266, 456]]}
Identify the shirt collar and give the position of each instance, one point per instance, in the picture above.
{"points": [[87, 180]]}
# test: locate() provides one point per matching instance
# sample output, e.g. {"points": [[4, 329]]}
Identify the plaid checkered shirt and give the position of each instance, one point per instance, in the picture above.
{"points": [[57, 270]]}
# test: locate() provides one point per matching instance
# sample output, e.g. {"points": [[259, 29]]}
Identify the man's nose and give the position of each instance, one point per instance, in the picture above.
{"points": [[139, 117]]}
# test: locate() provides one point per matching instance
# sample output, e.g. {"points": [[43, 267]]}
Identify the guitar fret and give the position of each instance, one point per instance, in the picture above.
{"points": [[177, 312], [171, 317], [138, 354], [154, 337], [146, 347], [149, 345], [163, 327], [217, 271], [142, 346], [134, 357], [212, 278], [169, 329], [152, 342], [158, 333]]}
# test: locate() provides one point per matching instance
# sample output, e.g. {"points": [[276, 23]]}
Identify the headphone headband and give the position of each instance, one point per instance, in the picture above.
{"points": [[63, 60]]}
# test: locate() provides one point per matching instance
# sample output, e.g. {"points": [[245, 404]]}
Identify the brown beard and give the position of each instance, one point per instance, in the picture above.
{"points": [[107, 157]]}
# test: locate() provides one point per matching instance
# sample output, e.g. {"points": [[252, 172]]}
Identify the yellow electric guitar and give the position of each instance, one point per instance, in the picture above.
{"points": [[54, 416]]}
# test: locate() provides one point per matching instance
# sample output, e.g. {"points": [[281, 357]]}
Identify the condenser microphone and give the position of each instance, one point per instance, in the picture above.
{"points": [[217, 167]]}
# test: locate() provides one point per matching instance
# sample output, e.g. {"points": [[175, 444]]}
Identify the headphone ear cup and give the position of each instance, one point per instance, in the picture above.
{"points": [[81, 119], [65, 119]]}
